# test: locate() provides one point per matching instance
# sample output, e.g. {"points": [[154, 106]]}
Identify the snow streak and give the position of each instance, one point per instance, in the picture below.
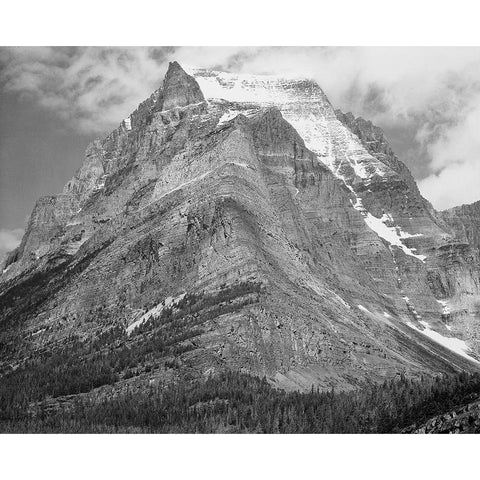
{"points": [[155, 311], [454, 344]]}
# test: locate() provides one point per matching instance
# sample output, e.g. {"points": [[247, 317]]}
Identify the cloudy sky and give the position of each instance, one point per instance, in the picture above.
{"points": [[54, 101]]}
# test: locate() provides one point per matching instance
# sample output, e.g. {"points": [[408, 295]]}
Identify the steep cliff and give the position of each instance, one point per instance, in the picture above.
{"points": [[449, 239], [234, 222]]}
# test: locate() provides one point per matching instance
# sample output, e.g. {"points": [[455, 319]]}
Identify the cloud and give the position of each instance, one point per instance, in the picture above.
{"points": [[454, 185], [433, 92], [9, 240], [455, 161], [94, 88], [91, 88]]}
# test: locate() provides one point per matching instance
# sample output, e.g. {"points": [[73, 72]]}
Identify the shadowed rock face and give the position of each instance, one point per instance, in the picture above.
{"points": [[243, 217]]}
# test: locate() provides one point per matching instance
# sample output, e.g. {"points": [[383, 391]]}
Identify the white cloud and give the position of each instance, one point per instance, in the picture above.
{"points": [[91, 88], [9, 239], [454, 185], [455, 161]]}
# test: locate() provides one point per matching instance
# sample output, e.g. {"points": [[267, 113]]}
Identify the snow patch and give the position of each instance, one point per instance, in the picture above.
{"points": [[454, 344], [101, 182], [155, 311], [38, 332], [231, 114], [341, 300], [411, 308], [312, 284], [184, 184], [227, 116], [361, 307], [5, 270], [394, 235], [445, 307]]}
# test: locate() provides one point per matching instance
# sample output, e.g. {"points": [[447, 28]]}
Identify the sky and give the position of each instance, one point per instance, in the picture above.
{"points": [[56, 100]]}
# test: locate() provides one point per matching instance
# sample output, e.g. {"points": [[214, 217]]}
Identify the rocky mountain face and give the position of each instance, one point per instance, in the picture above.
{"points": [[240, 222]]}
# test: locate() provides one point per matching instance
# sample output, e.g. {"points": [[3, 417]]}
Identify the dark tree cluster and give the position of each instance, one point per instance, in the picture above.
{"points": [[238, 403], [80, 366]]}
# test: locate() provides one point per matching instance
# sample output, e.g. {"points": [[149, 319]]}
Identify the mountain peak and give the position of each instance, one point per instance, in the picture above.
{"points": [[260, 232], [179, 88]]}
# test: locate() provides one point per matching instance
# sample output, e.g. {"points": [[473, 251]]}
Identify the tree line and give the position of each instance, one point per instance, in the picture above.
{"points": [[233, 402]]}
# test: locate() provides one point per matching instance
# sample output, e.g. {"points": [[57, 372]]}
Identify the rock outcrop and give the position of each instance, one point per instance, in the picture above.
{"points": [[179, 89], [463, 419], [240, 221]]}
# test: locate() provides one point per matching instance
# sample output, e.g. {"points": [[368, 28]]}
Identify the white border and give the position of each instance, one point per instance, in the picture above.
{"points": [[245, 23], [249, 22], [368, 457]]}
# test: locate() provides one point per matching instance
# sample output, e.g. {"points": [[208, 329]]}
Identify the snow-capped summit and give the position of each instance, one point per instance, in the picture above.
{"points": [[305, 106]]}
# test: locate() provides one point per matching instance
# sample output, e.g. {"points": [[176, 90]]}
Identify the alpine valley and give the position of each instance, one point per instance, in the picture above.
{"points": [[239, 256]]}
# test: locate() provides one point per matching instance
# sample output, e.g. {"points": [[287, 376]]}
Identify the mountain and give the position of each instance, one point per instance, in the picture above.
{"points": [[239, 223]]}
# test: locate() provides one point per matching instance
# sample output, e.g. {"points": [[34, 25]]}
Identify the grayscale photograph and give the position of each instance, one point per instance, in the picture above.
{"points": [[239, 240]]}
